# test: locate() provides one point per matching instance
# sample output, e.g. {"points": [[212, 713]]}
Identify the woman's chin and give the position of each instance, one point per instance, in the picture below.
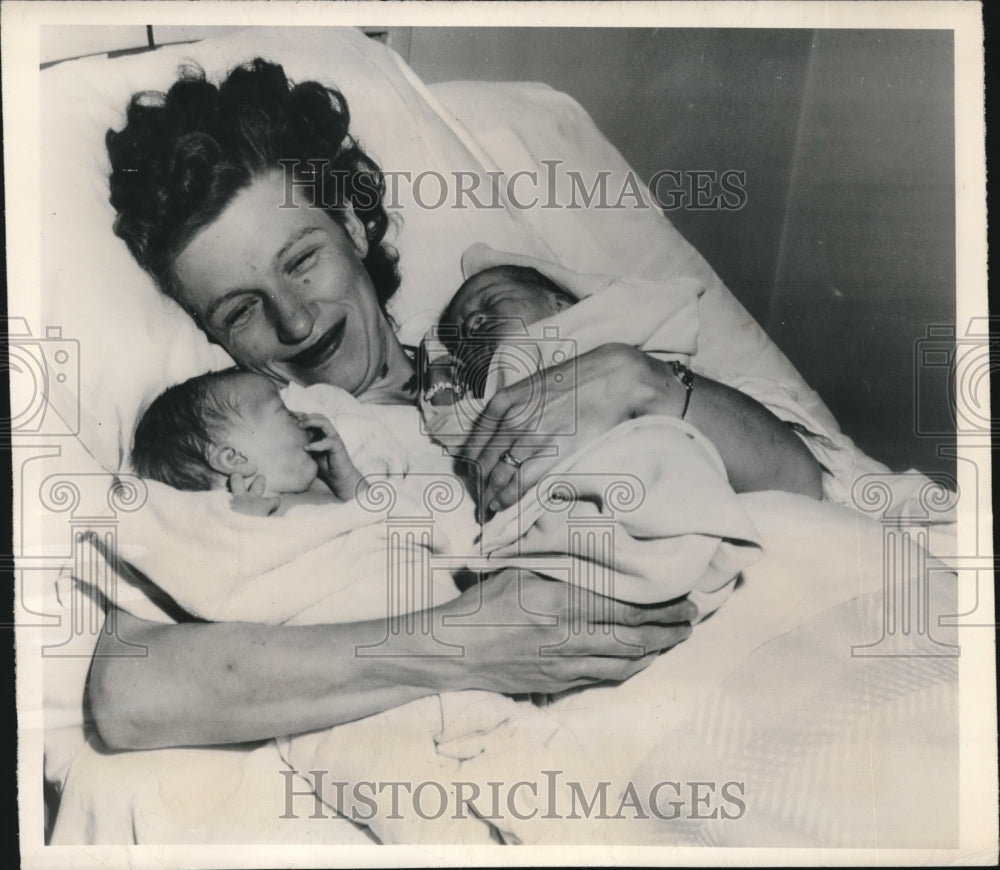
{"points": [[329, 373]]}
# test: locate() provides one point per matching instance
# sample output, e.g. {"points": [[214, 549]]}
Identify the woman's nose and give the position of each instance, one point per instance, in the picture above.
{"points": [[293, 317]]}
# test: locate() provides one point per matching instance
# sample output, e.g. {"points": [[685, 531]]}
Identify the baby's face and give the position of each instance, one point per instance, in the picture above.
{"points": [[270, 437], [495, 303]]}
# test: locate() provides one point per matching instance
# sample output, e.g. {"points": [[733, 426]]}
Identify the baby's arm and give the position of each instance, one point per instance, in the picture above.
{"points": [[336, 469]]}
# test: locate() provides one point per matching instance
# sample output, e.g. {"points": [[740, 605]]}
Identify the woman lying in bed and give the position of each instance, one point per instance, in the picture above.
{"points": [[298, 291]]}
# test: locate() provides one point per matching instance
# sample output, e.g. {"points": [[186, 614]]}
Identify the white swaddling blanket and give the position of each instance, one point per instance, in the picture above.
{"points": [[317, 562]]}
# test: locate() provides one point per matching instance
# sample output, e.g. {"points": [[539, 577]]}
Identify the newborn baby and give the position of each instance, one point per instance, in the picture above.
{"points": [[498, 302], [225, 428], [480, 327]]}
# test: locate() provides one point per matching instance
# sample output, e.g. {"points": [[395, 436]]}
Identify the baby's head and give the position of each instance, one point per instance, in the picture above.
{"points": [[198, 433], [498, 302], [503, 300]]}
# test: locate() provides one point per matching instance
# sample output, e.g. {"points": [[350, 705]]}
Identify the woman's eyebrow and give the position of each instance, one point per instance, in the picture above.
{"points": [[285, 248], [224, 298], [239, 291]]}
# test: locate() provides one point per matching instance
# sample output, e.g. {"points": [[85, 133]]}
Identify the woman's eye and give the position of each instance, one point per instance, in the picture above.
{"points": [[240, 314], [475, 322], [302, 261]]}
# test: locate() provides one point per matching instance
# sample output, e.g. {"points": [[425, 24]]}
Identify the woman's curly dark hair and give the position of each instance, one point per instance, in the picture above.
{"points": [[182, 156]]}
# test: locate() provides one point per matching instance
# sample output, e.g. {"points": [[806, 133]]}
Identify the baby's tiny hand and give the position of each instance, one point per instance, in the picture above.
{"points": [[336, 469], [251, 500]]}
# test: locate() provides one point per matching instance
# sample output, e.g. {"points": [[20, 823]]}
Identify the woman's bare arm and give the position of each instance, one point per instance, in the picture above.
{"points": [[760, 452], [585, 397], [214, 683], [207, 683]]}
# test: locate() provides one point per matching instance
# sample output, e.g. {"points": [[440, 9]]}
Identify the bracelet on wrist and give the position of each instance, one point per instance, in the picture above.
{"points": [[686, 377]]}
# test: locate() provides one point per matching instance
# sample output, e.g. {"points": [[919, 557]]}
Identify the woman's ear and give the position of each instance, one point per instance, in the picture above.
{"points": [[227, 460], [355, 230]]}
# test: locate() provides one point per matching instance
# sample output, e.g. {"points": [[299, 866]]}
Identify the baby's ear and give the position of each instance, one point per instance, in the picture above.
{"points": [[227, 460]]}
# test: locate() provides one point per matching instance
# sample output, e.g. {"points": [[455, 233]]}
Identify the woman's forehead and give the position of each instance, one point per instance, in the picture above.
{"points": [[260, 224]]}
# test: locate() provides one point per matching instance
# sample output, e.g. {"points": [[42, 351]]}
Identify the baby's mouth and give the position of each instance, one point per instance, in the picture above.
{"points": [[321, 350]]}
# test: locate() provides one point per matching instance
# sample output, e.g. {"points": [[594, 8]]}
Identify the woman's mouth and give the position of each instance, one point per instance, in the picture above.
{"points": [[320, 350]]}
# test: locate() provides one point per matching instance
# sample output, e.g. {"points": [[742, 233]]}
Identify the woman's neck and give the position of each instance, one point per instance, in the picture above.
{"points": [[396, 383]]}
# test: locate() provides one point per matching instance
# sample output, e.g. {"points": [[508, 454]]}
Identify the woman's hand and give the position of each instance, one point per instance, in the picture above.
{"points": [[553, 413], [250, 499], [519, 632], [336, 469]]}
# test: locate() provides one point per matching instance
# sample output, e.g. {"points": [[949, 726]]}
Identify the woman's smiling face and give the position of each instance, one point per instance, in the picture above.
{"points": [[284, 290]]}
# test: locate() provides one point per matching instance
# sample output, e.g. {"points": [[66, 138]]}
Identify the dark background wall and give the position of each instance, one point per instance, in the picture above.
{"points": [[844, 250]]}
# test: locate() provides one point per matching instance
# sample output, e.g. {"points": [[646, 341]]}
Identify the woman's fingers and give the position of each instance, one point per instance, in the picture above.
{"points": [[503, 488], [501, 475], [646, 639], [624, 613], [499, 431], [602, 669], [614, 656], [507, 484], [616, 641], [581, 606], [492, 426]]}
